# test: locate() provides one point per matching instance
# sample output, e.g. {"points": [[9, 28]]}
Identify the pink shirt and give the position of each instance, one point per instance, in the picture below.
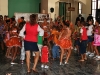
{"points": [[31, 32]]}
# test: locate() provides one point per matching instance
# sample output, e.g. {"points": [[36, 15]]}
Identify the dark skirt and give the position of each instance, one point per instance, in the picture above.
{"points": [[30, 46]]}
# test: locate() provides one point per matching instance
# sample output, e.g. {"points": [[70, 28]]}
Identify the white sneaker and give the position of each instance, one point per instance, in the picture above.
{"points": [[66, 63], [61, 63], [12, 63], [91, 55], [87, 53], [42, 66], [46, 66], [75, 49], [98, 57]]}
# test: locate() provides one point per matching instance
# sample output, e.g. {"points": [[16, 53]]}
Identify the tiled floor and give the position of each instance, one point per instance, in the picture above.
{"points": [[89, 67]]}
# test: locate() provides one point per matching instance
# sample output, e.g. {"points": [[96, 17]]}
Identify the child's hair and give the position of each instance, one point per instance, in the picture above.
{"points": [[83, 23], [44, 43]]}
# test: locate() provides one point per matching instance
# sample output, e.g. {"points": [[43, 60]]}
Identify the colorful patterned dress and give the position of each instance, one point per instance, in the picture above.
{"points": [[96, 39], [65, 42], [14, 40]]}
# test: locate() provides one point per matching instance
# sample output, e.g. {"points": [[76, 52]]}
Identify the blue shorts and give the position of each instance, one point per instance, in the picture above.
{"points": [[30, 46], [90, 39], [77, 42], [83, 46]]}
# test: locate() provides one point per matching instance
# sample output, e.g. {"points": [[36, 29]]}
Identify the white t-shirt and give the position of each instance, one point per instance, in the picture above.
{"points": [[89, 31]]}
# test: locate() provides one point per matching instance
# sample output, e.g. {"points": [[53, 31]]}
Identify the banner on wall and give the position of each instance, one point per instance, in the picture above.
{"points": [[40, 16]]}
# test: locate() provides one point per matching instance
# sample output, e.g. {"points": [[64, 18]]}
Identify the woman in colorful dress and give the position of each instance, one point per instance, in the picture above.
{"points": [[65, 42]]}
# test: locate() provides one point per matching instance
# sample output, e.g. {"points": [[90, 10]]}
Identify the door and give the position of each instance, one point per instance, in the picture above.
{"points": [[68, 13]]}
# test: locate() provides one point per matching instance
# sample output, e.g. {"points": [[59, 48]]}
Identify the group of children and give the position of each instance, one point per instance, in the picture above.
{"points": [[57, 38], [89, 42]]}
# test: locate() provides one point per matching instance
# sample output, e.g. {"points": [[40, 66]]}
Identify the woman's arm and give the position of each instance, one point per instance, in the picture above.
{"points": [[21, 33], [41, 31]]}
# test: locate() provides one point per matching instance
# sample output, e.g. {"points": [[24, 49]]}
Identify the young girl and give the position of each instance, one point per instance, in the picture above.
{"points": [[65, 42], [97, 39], [15, 41], [8, 44], [44, 55], [90, 39]]}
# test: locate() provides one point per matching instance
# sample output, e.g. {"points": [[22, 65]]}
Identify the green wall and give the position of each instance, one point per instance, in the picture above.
{"points": [[23, 6]]}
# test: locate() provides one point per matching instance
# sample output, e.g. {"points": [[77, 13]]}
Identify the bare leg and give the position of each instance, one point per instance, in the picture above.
{"points": [[36, 58], [85, 56], [68, 55], [95, 48], [2, 45], [82, 57], [15, 53], [61, 56], [8, 52], [28, 60]]}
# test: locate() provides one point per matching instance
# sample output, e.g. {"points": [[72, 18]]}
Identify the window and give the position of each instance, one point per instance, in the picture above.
{"points": [[98, 4], [79, 8], [94, 6]]}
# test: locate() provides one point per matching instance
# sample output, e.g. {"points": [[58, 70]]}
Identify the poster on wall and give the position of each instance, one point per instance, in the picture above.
{"points": [[40, 16], [25, 15]]}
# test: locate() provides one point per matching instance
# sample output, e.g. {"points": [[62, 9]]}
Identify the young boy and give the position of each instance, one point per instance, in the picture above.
{"points": [[83, 41]]}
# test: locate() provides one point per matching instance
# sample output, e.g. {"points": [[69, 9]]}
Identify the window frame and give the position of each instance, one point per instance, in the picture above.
{"points": [[79, 8], [92, 8]]}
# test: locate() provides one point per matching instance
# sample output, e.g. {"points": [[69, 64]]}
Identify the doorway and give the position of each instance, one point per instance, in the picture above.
{"points": [[63, 10]]}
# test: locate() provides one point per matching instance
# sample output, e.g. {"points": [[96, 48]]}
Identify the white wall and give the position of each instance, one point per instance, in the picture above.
{"points": [[3, 7], [86, 9], [52, 3], [44, 6]]}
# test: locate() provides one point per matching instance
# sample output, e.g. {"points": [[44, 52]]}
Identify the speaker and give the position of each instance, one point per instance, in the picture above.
{"points": [[51, 10], [97, 13]]}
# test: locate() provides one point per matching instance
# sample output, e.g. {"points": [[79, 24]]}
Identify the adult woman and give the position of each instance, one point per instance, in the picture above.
{"points": [[65, 42], [30, 41]]}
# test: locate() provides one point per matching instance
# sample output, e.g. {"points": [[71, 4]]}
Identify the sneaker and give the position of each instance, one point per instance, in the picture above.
{"points": [[66, 63], [22, 62], [91, 55], [61, 63], [75, 49], [96, 57], [46, 66], [87, 53], [42, 66], [12, 63]]}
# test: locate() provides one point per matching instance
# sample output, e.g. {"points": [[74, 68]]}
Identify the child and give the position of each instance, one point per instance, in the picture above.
{"points": [[22, 57], [76, 36], [55, 49], [15, 41], [40, 43], [44, 55], [83, 41], [90, 39]]}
